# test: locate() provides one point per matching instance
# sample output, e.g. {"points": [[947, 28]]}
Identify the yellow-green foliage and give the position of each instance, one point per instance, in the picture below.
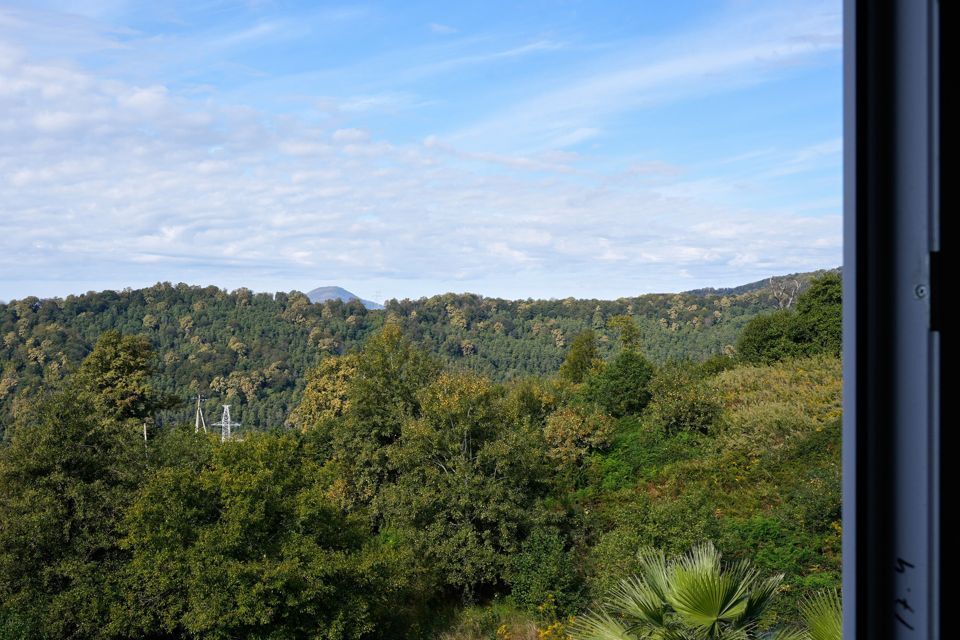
{"points": [[808, 389], [325, 396], [494, 621], [764, 484], [767, 412], [573, 432], [501, 621]]}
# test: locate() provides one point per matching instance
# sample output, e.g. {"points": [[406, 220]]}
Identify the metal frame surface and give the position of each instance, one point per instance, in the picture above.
{"points": [[891, 328]]}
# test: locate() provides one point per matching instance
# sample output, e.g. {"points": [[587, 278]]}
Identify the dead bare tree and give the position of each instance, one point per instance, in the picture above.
{"points": [[784, 291]]}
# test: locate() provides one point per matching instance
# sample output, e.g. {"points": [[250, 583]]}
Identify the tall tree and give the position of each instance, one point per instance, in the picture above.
{"points": [[622, 387], [814, 327], [382, 393], [819, 318], [71, 468], [325, 396], [581, 358], [627, 331], [467, 481], [768, 339], [119, 371]]}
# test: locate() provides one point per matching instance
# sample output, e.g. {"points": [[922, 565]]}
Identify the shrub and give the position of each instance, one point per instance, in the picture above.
{"points": [[622, 387], [767, 338], [544, 572], [573, 432], [613, 557], [682, 401]]}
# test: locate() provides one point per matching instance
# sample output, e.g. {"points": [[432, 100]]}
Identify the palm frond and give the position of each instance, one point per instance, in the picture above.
{"points": [[692, 597], [788, 633], [599, 626], [760, 596], [823, 614], [744, 572], [633, 598], [653, 568], [706, 599], [702, 557], [705, 594]]}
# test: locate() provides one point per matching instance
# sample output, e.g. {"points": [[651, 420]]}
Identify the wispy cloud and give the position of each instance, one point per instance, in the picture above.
{"points": [[450, 64], [719, 59], [443, 29]]}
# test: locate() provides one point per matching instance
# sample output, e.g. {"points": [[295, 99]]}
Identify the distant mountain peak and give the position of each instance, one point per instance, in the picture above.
{"points": [[322, 294]]}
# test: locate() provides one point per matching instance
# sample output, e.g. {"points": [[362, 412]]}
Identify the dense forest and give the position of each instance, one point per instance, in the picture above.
{"points": [[253, 350], [455, 467]]}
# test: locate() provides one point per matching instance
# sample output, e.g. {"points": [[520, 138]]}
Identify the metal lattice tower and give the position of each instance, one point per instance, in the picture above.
{"points": [[199, 420], [226, 425]]}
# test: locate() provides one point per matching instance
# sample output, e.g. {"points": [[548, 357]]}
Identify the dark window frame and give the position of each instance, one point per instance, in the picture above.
{"points": [[892, 318]]}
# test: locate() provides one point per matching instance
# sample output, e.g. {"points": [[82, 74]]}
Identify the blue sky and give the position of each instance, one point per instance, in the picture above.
{"points": [[402, 149]]}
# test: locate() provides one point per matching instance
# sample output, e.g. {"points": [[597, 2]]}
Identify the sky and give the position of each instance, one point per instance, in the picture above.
{"points": [[518, 149]]}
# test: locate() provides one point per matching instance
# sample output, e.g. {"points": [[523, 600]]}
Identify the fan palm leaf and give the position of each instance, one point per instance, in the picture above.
{"points": [[761, 594], [635, 599], [693, 597], [653, 568], [788, 634], [705, 594], [600, 626], [705, 601], [823, 614]]}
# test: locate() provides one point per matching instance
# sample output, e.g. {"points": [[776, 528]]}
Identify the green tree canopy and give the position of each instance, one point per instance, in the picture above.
{"points": [[467, 482], [768, 338], [627, 331], [581, 358], [819, 321], [622, 387], [376, 391], [682, 400], [66, 476], [119, 370], [252, 546], [814, 327]]}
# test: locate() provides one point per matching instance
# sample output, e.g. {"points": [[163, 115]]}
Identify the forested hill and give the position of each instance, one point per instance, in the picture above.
{"points": [[254, 349]]}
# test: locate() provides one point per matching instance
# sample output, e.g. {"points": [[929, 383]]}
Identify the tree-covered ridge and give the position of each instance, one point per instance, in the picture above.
{"points": [[255, 349]]}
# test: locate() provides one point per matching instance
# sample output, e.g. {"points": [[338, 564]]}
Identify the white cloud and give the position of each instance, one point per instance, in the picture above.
{"points": [[506, 252], [443, 29], [389, 102], [304, 147], [810, 157], [351, 135], [452, 63]]}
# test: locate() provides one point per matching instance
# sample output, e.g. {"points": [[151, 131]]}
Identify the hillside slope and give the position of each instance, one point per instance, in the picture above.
{"points": [[254, 349]]}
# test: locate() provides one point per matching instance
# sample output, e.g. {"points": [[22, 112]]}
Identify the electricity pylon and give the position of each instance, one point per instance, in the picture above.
{"points": [[226, 425], [199, 420]]}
